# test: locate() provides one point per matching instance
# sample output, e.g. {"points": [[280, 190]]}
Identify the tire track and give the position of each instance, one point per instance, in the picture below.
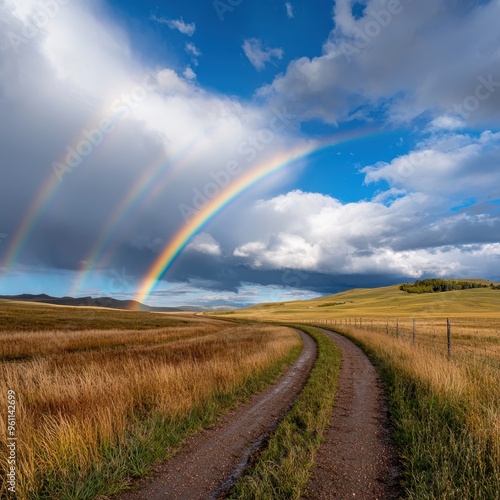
{"points": [[357, 458], [212, 460]]}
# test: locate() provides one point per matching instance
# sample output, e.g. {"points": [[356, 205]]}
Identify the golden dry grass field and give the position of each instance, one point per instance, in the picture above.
{"points": [[98, 404]]}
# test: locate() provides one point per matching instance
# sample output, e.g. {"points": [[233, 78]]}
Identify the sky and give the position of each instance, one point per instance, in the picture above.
{"points": [[229, 152]]}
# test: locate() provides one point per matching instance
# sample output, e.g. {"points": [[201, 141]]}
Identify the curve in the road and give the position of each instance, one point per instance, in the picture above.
{"points": [[214, 457], [357, 458]]}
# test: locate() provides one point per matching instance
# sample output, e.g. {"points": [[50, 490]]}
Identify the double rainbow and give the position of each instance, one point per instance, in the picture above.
{"points": [[179, 241], [142, 190]]}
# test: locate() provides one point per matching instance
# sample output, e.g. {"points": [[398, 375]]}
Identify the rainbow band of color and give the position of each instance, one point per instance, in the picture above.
{"points": [[198, 221]]}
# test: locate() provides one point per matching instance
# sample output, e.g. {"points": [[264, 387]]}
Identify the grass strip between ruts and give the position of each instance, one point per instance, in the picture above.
{"points": [[282, 471]]}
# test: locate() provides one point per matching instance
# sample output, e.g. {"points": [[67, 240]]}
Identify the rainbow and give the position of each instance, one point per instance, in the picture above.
{"points": [[16, 244], [179, 241], [138, 193], [148, 187], [45, 195]]}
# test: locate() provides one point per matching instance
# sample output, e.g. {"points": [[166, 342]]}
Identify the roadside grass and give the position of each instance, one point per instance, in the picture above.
{"points": [[283, 469], [472, 339], [91, 417], [446, 417]]}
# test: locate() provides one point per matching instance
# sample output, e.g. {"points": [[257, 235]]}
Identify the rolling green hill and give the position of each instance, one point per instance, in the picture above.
{"points": [[382, 302]]}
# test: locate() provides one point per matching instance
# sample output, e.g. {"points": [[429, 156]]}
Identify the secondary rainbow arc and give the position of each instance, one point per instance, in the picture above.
{"points": [[180, 240]]}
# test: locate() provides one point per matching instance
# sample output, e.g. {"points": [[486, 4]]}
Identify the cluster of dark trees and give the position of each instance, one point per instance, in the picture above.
{"points": [[439, 285]]}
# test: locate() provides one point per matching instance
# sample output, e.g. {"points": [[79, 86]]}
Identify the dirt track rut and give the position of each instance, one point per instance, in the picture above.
{"points": [[357, 458], [211, 458]]}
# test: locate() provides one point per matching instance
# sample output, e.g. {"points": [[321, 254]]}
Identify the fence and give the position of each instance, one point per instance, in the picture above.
{"points": [[470, 338]]}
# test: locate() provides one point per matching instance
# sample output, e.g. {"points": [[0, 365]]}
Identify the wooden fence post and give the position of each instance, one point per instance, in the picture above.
{"points": [[413, 333], [448, 333], [387, 327], [397, 328]]}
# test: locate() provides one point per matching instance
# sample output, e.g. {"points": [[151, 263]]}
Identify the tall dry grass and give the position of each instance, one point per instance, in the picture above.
{"points": [[472, 339], [94, 407], [28, 344]]}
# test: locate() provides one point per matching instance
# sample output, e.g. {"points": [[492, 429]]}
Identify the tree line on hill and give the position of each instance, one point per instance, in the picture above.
{"points": [[439, 285]]}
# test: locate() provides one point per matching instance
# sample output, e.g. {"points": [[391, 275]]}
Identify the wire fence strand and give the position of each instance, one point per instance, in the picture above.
{"points": [[470, 339]]}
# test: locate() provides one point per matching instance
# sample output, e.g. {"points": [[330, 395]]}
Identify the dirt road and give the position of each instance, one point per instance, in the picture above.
{"points": [[212, 458], [357, 458]]}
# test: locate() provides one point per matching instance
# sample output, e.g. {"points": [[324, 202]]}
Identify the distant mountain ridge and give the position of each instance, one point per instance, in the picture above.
{"points": [[99, 302]]}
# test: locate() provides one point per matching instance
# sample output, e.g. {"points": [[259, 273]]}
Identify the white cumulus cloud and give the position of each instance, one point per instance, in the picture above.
{"points": [[400, 59], [452, 165], [189, 74], [192, 49], [405, 233], [176, 24], [205, 243], [258, 55]]}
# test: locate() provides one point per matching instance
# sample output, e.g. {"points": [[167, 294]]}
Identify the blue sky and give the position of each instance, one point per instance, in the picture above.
{"points": [[407, 95], [223, 65]]}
